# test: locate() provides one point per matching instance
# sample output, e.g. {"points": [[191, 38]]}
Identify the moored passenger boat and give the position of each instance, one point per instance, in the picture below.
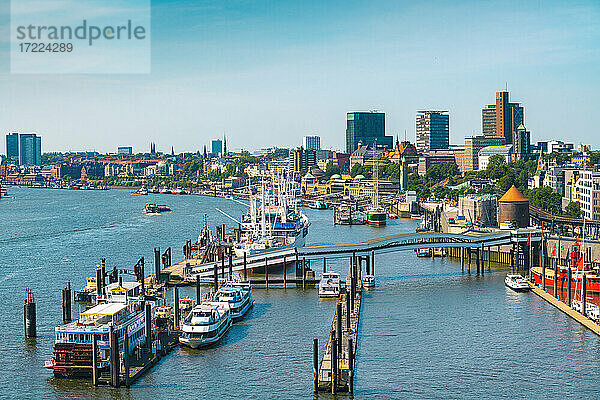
{"points": [[206, 324], [239, 297], [516, 283], [121, 309], [329, 285]]}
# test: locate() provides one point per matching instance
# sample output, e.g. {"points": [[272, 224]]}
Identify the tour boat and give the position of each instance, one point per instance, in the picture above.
{"points": [[141, 192], [516, 283], [206, 324], [155, 209], [376, 216], [121, 309], [165, 191], [178, 191], [329, 286], [424, 252], [318, 205], [369, 281], [239, 297]]}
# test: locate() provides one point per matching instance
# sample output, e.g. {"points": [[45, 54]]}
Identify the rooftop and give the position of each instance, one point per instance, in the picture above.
{"points": [[513, 195]]}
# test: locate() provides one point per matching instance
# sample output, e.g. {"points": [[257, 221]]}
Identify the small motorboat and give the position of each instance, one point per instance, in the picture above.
{"points": [[369, 281], [516, 283], [140, 192], [392, 216], [206, 324], [329, 286], [239, 297], [426, 252]]}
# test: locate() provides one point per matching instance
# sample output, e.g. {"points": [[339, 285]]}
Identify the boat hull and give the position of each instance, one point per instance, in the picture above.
{"points": [[592, 283], [195, 343]]}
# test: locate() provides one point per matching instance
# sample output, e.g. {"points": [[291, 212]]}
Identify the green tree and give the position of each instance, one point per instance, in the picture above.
{"points": [[546, 199], [573, 210], [332, 169]]}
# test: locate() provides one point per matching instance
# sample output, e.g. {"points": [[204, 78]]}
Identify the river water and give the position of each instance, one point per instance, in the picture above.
{"points": [[427, 330]]}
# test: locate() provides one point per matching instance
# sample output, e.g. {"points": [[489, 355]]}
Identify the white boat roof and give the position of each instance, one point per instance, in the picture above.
{"points": [[105, 309], [128, 285]]}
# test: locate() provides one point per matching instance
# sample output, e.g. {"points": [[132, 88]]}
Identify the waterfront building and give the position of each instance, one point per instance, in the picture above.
{"points": [[124, 150], [363, 154], [479, 209], [589, 190], [503, 118], [434, 158], [433, 130], [513, 208], [368, 128], [216, 147], [12, 147], [30, 149], [468, 159], [311, 142], [488, 151], [301, 159]]}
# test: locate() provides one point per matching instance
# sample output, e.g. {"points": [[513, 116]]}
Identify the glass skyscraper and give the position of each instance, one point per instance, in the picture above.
{"points": [[12, 147], [30, 149], [433, 130], [367, 128]]}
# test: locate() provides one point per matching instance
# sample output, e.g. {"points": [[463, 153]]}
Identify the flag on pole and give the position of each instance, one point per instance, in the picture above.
{"points": [[529, 240], [553, 254]]}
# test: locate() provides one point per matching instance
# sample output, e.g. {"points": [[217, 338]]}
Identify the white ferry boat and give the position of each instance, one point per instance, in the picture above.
{"points": [[516, 283], [121, 307], [206, 324], [239, 297], [329, 285]]}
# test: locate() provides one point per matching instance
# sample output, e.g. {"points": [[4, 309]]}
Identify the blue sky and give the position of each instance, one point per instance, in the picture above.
{"points": [[268, 72]]}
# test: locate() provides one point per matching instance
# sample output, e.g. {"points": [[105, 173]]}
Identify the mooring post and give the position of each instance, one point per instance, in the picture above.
{"points": [[126, 357], [266, 273], [303, 272], [114, 358], [29, 315], [373, 262], [176, 307], [198, 294], [284, 273], [148, 326], [477, 259], [230, 264], [350, 366], [569, 286], [482, 258], [333, 364], [94, 359], [215, 277], [584, 295], [315, 365], [157, 264], [338, 326], [324, 265], [555, 280], [348, 309], [66, 305], [99, 280], [245, 268]]}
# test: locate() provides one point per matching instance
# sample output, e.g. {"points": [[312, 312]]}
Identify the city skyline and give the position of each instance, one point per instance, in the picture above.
{"points": [[275, 62]]}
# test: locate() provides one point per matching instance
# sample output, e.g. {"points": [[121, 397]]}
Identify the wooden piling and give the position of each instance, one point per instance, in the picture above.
{"points": [[148, 326], [284, 273], [126, 357], [222, 265], [348, 310], [373, 262], [324, 265], [338, 326], [29, 315], [99, 280], [315, 365], [266, 273], [215, 277], [230, 264], [584, 295], [333, 365], [303, 272], [175, 307], [157, 264], [245, 268], [350, 366]]}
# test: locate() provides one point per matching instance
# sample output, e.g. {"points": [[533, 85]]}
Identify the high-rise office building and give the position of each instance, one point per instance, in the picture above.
{"points": [[12, 147], [301, 159], [367, 128], [311, 142], [30, 149], [521, 144], [125, 150], [502, 118], [433, 130], [216, 147]]}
